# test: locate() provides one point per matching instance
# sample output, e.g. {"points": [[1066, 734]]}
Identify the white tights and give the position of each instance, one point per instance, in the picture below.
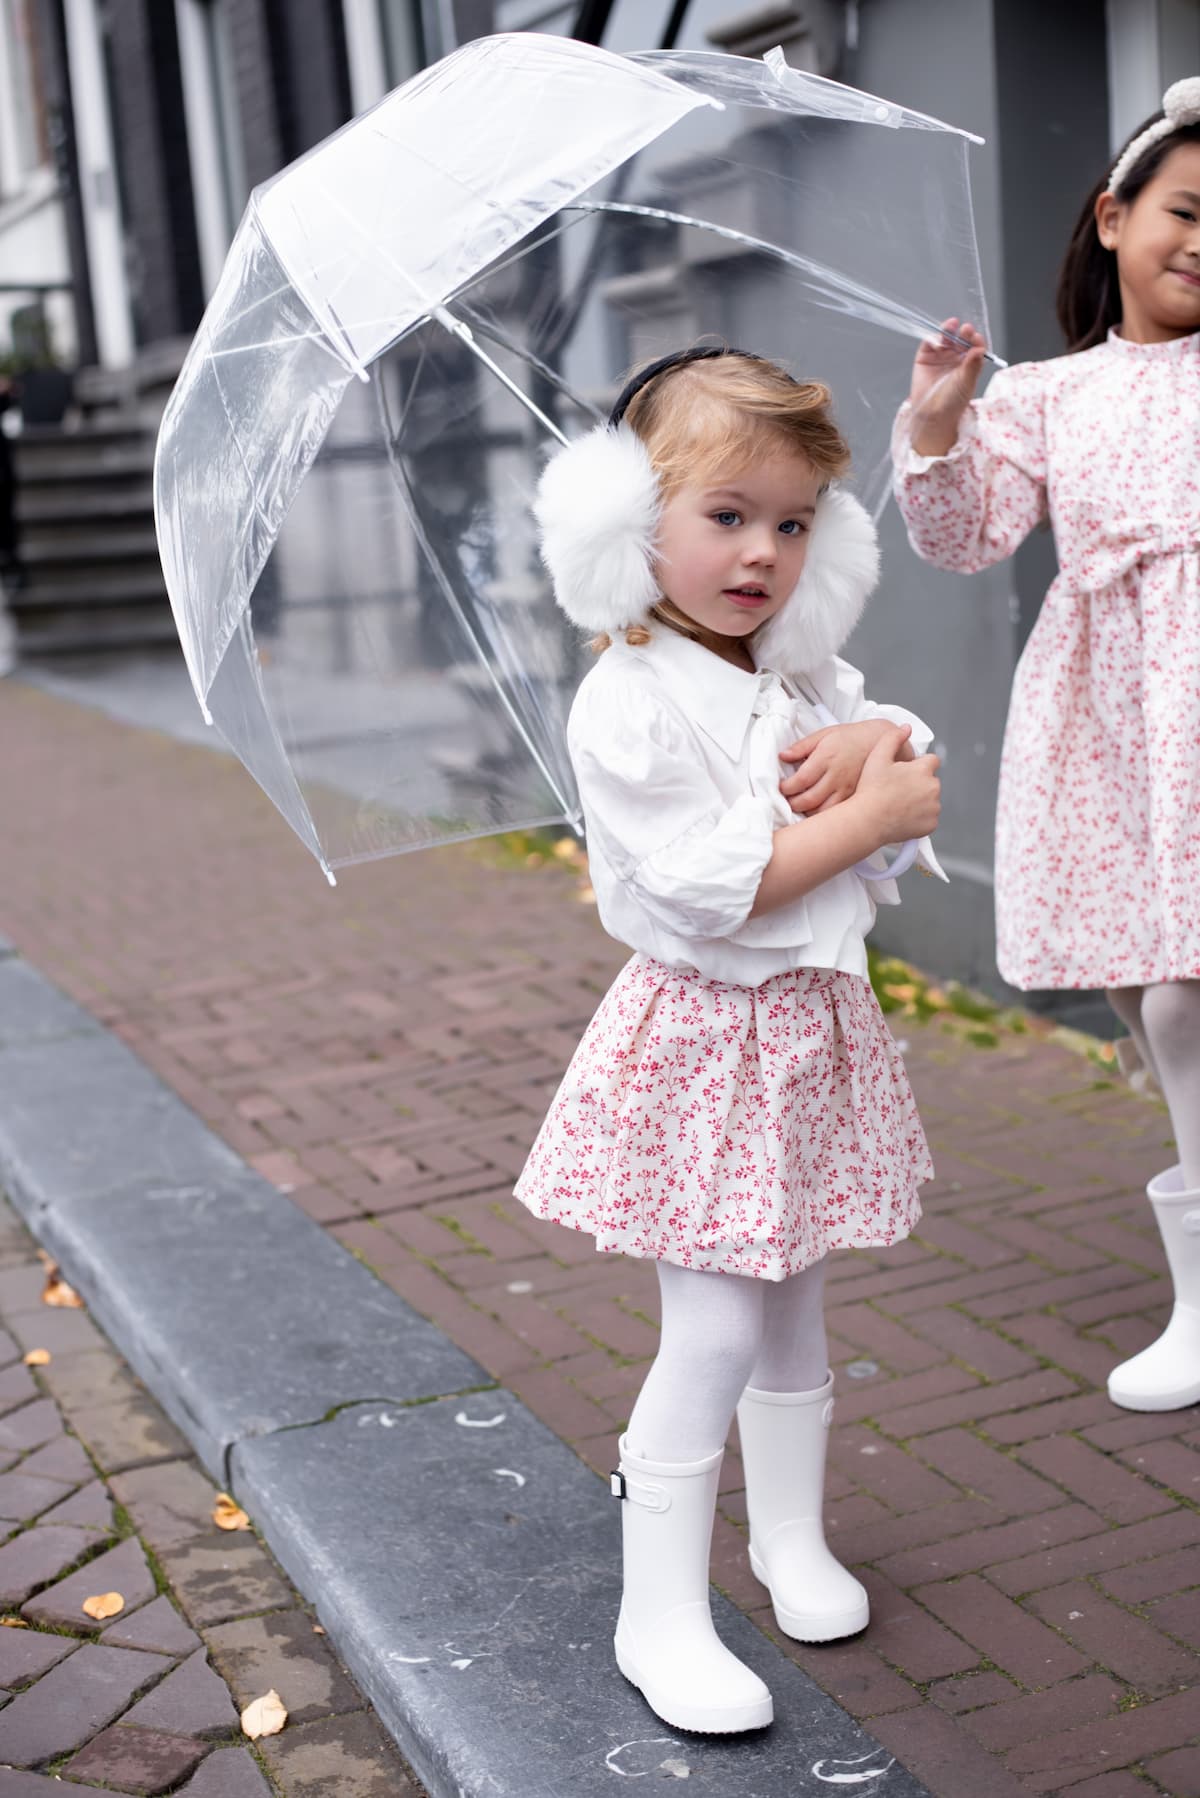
{"points": [[720, 1334], [1164, 1022]]}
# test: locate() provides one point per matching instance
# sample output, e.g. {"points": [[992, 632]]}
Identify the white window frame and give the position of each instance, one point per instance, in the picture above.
{"points": [[98, 192], [215, 153]]}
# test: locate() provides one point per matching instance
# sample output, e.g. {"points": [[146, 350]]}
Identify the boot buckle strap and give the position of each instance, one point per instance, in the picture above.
{"points": [[639, 1492]]}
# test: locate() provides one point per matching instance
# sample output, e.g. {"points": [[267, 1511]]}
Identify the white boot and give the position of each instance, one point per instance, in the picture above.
{"points": [[784, 1437], [665, 1641], [1166, 1376]]}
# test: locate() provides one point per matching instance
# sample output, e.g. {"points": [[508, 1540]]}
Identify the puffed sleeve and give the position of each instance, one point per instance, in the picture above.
{"points": [[690, 859], [977, 504]]}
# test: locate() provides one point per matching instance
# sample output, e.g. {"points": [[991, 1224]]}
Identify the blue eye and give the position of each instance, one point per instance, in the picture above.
{"points": [[792, 527], [728, 518]]}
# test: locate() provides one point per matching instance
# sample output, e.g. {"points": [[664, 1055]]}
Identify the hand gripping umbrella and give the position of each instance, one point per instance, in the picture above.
{"points": [[415, 312]]}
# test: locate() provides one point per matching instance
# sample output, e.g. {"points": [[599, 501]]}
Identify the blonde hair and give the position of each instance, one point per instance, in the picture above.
{"points": [[720, 415]]}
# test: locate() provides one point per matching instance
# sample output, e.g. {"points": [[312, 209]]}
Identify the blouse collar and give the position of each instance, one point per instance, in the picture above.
{"points": [[1174, 346], [717, 696]]}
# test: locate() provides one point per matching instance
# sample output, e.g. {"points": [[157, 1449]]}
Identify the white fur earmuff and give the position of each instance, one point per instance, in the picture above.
{"points": [[597, 509]]}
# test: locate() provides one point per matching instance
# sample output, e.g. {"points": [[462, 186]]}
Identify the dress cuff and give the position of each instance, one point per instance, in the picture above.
{"points": [[704, 883], [905, 459]]}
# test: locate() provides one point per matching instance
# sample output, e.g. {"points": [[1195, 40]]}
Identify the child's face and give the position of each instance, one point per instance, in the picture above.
{"points": [[1157, 241], [728, 555]]}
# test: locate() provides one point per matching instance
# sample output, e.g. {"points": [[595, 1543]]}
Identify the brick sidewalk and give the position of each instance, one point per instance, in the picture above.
{"points": [[100, 1494], [385, 1052]]}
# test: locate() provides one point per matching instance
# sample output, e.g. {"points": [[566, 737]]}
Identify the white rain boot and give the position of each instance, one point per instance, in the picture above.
{"points": [[1166, 1376], [784, 1436], [665, 1642]]}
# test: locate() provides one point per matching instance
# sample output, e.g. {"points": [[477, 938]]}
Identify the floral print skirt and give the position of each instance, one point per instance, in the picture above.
{"points": [[742, 1130]]}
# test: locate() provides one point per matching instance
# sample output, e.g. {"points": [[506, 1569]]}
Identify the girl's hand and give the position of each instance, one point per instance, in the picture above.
{"points": [[904, 799], [945, 376], [830, 763]]}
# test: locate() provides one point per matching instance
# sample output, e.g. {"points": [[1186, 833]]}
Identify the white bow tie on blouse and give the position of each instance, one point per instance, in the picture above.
{"points": [[773, 729]]}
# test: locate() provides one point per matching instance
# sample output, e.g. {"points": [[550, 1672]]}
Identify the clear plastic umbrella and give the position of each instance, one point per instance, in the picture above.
{"points": [[411, 315]]}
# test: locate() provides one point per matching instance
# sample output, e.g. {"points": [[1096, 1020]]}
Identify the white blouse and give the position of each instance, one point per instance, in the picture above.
{"points": [[677, 757]]}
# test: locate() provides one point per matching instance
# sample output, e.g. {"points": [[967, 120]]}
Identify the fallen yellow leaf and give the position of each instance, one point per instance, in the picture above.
{"points": [[318, 1629], [13, 1623], [104, 1604], [265, 1717], [57, 1292], [228, 1515], [37, 1358]]}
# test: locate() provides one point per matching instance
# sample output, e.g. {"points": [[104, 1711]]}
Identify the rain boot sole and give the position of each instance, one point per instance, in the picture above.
{"points": [[698, 1720], [814, 1626]]}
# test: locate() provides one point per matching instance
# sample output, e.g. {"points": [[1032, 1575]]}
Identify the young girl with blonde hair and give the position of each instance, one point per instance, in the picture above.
{"points": [[1098, 824], [737, 1107]]}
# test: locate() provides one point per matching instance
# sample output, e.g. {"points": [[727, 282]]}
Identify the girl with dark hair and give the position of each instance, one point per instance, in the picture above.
{"points": [[1098, 823]]}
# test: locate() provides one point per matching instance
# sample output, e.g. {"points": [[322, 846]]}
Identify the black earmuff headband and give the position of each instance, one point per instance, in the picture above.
{"points": [[676, 359]]}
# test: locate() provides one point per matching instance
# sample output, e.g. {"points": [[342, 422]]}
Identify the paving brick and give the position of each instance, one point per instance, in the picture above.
{"points": [[1170, 1573], [90, 1508], [192, 1701], [1036, 1714], [1096, 1554], [976, 1550], [169, 1503], [98, 1378], [1171, 1464], [1112, 1785], [62, 1332], [1017, 1642], [851, 1672], [72, 1702], [279, 1652], [979, 1404], [41, 1555], [216, 1579], [144, 1761], [123, 1569], [25, 1654], [936, 1749], [349, 1755], [1078, 1411], [1177, 1773], [1120, 1496], [1103, 1746], [24, 1496], [1116, 1639], [30, 1426], [128, 1433], [1065, 1347], [157, 1627], [62, 1459], [970, 1692], [17, 1387], [987, 1472], [1180, 1616], [227, 1773], [905, 1634]]}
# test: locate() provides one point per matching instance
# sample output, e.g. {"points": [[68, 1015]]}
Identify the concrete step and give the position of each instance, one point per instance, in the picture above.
{"points": [[65, 505], [90, 591], [39, 440], [66, 632], [46, 549], [72, 459]]}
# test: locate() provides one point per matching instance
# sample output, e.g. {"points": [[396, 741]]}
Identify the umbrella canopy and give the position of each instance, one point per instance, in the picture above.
{"points": [[415, 311]]}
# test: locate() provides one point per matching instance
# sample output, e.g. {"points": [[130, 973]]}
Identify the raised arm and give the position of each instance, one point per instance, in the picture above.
{"points": [[969, 475]]}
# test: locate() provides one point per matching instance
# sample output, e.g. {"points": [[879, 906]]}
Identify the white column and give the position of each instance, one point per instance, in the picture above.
{"points": [[205, 154], [98, 186], [365, 53]]}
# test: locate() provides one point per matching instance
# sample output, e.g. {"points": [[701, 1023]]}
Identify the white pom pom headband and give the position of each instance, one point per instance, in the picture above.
{"points": [[1181, 106]]}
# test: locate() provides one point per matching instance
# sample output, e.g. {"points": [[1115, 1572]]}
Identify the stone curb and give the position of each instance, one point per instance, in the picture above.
{"points": [[479, 1630]]}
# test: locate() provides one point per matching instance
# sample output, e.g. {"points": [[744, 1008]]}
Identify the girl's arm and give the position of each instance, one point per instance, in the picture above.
{"points": [[894, 800], [969, 475]]}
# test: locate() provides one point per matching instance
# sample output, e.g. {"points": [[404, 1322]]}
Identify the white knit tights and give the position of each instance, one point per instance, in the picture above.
{"points": [[1164, 1022], [720, 1334]]}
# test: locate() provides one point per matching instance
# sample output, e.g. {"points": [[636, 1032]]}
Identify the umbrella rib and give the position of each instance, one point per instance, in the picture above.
{"points": [[570, 812], [890, 313]]}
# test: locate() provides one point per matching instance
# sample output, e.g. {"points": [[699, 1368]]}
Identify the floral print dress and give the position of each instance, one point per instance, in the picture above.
{"points": [[1098, 822]]}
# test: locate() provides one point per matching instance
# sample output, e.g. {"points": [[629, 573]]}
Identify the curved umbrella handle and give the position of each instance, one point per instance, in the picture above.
{"points": [[900, 863]]}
